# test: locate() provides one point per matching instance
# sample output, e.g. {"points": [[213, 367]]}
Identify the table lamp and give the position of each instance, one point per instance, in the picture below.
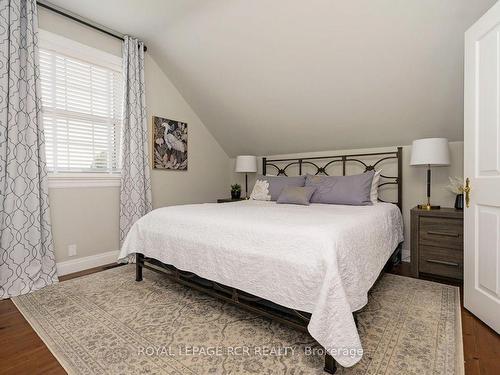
{"points": [[430, 152], [246, 164]]}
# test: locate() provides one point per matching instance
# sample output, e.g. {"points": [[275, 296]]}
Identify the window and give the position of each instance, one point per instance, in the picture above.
{"points": [[82, 105]]}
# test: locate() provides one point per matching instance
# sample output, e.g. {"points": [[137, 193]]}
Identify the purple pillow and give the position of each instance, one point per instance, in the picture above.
{"points": [[278, 183], [296, 195], [351, 190]]}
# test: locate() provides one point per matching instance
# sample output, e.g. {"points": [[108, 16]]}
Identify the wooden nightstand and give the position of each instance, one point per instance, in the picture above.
{"points": [[437, 247], [227, 200]]}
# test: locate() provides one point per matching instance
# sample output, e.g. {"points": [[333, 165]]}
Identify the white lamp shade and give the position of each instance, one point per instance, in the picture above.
{"points": [[246, 163], [430, 151]]}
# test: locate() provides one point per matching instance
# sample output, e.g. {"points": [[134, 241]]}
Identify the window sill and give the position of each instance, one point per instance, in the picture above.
{"points": [[78, 180]]}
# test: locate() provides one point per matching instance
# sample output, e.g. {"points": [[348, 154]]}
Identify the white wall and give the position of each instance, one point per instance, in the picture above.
{"points": [[414, 179], [288, 76], [89, 217]]}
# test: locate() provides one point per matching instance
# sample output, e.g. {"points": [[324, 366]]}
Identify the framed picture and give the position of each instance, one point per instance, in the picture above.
{"points": [[170, 144]]}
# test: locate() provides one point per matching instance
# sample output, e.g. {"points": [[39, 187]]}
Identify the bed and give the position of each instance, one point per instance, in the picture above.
{"points": [[307, 266]]}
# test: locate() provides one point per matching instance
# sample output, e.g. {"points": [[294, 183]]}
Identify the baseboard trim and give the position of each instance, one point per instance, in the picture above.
{"points": [[84, 263]]}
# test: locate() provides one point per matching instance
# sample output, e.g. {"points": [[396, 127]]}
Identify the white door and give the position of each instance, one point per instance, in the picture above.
{"points": [[482, 167]]}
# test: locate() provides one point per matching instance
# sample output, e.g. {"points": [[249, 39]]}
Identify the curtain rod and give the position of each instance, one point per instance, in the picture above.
{"points": [[83, 21]]}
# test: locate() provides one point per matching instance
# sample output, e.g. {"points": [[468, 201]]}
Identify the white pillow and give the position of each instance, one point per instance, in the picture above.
{"points": [[260, 191], [374, 190]]}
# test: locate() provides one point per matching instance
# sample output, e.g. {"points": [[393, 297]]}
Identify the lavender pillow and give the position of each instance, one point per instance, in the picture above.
{"points": [[278, 183], [296, 195], [351, 190]]}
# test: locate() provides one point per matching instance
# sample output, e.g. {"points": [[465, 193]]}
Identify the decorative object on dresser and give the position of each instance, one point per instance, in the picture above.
{"points": [[235, 191], [170, 139], [456, 186], [246, 164], [437, 242], [430, 152], [459, 202]]}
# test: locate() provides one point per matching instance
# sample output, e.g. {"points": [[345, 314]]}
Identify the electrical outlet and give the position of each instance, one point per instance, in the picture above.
{"points": [[72, 250]]}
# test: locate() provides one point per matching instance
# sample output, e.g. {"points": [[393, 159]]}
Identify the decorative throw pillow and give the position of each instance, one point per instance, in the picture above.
{"points": [[260, 191], [350, 190], [278, 183], [296, 195], [374, 190]]}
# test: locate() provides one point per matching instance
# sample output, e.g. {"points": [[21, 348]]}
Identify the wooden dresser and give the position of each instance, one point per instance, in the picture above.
{"points": [[437, 243]]}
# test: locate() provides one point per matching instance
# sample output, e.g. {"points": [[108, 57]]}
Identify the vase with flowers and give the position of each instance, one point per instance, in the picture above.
{"points": [[456, 186]]}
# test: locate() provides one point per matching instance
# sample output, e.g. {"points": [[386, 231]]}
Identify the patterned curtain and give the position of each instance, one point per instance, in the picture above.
{"points": [[26, 251], [135, 191]]}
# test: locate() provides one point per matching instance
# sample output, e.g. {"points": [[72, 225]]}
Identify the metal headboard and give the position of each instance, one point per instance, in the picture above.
{"points": [[321, 163]]}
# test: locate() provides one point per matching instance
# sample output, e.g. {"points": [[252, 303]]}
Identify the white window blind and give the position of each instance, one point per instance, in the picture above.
{"points": [[82, 104]]}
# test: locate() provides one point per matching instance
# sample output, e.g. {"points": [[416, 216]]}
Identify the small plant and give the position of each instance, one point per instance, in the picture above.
{"points": [[236, 191], [456, 185]]}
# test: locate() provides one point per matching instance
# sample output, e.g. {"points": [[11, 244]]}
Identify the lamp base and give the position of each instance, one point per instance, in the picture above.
{"points": [[428, 207]]}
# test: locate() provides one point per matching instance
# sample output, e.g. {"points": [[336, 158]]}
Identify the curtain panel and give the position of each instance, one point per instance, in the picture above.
{"points": [[135, 190], [27, 260]]}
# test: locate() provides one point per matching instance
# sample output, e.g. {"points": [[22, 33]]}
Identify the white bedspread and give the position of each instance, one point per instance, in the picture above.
{"points": [[321, 259]]}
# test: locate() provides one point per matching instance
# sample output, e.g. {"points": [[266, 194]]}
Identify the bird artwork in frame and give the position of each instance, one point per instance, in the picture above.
{"points": [[170, 142]]}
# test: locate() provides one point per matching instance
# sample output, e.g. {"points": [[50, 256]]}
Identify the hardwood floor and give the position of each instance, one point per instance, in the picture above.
{"points": [[23, 352]]}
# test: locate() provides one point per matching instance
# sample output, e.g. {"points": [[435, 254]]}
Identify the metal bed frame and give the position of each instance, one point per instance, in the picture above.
{"points": [[293, 318]]}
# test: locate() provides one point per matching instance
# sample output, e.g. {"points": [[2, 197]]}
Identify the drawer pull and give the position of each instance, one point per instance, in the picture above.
{"points": [[442, 262], [446, 234]]}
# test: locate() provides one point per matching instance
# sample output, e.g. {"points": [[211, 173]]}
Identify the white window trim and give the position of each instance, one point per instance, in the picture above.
{"points": [[48, 40], [77, 180]]}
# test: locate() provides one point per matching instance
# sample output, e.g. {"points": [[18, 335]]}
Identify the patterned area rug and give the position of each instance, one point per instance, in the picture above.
{"points": [[107, 323]]}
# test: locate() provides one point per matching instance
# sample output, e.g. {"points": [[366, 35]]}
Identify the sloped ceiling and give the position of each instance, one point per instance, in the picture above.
{"points": [[280, 76]]}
